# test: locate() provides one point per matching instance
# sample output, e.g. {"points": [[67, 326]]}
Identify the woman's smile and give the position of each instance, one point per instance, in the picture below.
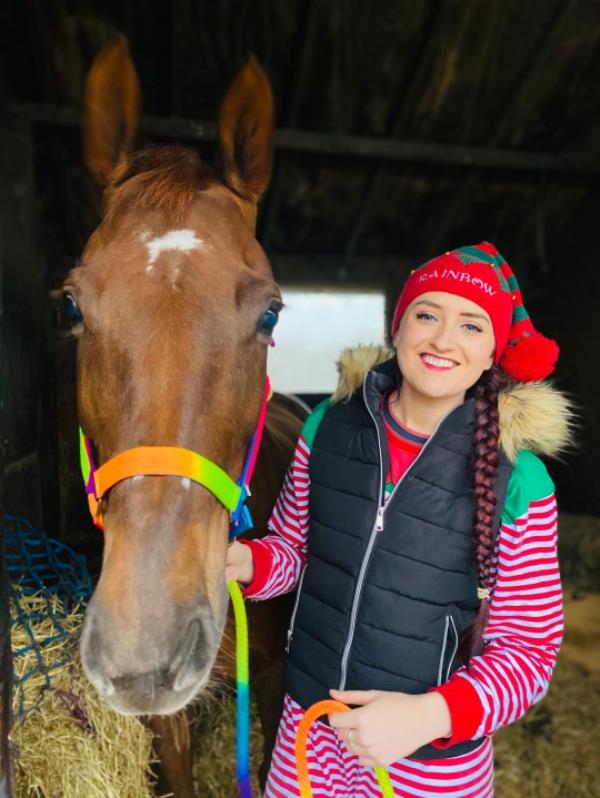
{"points": [[435, 363]]}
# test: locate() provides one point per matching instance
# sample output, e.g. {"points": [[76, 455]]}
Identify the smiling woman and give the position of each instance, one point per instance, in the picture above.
{"points": [[444, 343], [420, 526]]}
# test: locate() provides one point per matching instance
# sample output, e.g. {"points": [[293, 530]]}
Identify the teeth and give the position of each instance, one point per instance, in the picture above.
{"points": [[440, 362]]}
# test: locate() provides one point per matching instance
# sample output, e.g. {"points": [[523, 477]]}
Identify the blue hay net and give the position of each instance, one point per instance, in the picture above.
{"points": [[38, 565]]}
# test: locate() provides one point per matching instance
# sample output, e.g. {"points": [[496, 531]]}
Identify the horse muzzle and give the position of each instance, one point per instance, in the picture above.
{"points": [[144, 675]]}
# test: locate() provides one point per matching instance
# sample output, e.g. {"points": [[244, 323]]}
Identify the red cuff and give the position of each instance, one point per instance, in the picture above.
{"points": [[262, 567], [466, 711]]}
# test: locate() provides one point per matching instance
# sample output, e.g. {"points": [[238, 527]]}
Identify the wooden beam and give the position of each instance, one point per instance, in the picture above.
{"points": [[436, 237], [363, 271], [567, 164], [419, 73]]}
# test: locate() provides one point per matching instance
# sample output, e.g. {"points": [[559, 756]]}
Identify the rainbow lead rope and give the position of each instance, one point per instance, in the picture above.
{"points": [[242, 678], [311, 714]]}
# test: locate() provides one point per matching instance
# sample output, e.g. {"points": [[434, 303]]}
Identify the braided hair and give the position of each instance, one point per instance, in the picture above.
{"points": [[486, 454]]}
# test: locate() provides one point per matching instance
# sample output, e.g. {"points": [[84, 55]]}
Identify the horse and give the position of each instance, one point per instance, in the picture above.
{"points": [[173, 303]]}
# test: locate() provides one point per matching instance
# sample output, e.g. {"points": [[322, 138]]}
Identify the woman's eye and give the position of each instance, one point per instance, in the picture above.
{"points": [[71, 309], [423, 316], [472, 328], [269, 320]]}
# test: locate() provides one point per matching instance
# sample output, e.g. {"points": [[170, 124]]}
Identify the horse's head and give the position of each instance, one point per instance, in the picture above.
{"points": [[173, 303]]}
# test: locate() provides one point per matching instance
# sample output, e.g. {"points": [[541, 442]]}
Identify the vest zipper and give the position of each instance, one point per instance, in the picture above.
{"points": [[290, 630], [454, 650], [443, 652], [449, 623], [377, 527]]}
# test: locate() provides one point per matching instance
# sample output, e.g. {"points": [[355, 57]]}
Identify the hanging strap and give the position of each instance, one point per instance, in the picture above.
{"points": [[241, 518]]}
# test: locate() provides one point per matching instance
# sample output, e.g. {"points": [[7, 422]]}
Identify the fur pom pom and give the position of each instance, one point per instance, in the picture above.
{"points": [[531, 359]]}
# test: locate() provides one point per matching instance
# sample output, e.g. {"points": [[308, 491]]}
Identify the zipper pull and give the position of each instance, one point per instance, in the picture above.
{"points": [[289, 641], [379, 519]]}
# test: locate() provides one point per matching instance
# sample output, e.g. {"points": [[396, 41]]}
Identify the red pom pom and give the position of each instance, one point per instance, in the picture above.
{"points": [[531, 359]]}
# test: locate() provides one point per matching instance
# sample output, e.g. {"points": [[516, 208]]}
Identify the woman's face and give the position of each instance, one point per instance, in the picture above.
{"points": [[443, 345]]}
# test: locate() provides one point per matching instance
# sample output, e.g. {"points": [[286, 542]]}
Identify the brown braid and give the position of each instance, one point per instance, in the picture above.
{"points": [[485, 469]]}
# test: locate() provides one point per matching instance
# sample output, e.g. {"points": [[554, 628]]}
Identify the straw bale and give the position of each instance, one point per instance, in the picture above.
{"points": [[73, 744]]}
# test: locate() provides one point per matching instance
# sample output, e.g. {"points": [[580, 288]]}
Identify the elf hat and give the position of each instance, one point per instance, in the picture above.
{"points": [[481, 274]]}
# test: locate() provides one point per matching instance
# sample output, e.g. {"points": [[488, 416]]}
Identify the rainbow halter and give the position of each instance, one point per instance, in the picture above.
{"points": [[174, 461]]}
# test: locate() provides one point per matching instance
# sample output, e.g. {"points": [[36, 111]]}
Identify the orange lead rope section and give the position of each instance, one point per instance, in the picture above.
{"points": [[309, 717]]}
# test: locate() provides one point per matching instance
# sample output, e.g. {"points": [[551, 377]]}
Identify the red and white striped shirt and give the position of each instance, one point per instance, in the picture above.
{"points": [[521, 643]]}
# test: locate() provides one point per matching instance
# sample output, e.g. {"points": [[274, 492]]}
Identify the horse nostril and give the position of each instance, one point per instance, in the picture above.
{"points": [[101, 681], [186, 646], [191, 657], [92, 660], [103, 684]]}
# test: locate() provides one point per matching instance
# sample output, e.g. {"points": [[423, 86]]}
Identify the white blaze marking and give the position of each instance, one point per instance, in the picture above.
{"points": [[137, 479], [182, 240], [185, 482]]}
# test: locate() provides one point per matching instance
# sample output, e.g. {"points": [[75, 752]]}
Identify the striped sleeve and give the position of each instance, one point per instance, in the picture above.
{"points": [[280, 556], [525, 626]]}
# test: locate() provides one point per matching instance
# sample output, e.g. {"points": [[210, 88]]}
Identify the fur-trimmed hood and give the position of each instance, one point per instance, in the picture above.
{"points": [[533, 415]]}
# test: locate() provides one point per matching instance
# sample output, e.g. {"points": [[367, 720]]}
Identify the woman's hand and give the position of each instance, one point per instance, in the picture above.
{"points": [[389, 726], [239, 565]]}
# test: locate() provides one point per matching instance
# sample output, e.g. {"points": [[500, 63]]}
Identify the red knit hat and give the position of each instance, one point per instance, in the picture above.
{"points": [[481, 274]]}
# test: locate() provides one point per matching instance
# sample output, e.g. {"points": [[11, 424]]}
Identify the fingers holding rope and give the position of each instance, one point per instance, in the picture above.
{"points": [[351, 738], [336, 710]]}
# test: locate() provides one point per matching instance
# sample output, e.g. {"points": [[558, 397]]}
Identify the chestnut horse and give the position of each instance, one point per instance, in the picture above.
{"points": [[173, 303]]}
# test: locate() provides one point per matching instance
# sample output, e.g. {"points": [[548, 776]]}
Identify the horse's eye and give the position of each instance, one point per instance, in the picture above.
{"points": [[71, 309], [269, 319]]}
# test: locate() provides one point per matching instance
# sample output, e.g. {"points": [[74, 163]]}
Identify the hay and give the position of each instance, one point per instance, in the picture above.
{"points": [[554, 750], [72, 744], [579, 552], [213, 746]]}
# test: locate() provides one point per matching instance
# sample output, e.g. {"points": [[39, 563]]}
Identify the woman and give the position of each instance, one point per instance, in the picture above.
{"points": [[422, 528]]}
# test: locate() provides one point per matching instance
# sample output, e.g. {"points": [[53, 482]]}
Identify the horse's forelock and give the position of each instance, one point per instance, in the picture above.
{"points": [[158, 177]]}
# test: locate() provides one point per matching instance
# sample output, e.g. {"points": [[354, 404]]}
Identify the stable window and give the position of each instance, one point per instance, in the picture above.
{"points": [[314, 326]]}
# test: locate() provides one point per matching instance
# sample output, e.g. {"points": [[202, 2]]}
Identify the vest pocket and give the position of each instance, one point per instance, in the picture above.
{"points": [[449, 649], [290, 630]]}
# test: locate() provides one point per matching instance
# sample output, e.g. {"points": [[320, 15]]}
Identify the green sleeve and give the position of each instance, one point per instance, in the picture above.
{"points": [[528, 482], [311, 425]]}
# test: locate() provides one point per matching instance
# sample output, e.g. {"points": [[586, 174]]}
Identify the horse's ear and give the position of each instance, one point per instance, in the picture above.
{"points": [[245, 132], [112, 109]]}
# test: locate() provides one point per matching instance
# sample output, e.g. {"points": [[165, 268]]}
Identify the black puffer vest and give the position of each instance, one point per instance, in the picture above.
{"points": [[386, 591]]}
